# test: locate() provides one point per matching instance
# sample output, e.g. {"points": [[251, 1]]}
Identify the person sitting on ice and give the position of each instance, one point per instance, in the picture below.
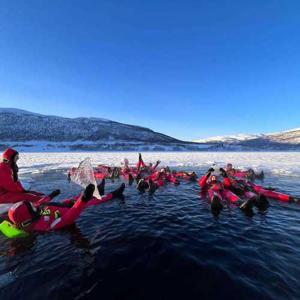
{"points": [[11, 189], [49, 216]]}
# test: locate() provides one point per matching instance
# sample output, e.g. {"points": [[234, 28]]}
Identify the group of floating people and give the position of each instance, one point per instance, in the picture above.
{"points": [[34, 211]]}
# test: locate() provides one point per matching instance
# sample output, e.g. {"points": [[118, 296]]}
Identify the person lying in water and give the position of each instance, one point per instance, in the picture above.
{"points": [[157, 179], [249, 174], [218, 191], [49, 216], [137, 172]]}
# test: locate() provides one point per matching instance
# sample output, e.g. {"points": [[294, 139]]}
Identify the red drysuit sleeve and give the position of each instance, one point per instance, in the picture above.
{"points": [[8, 183], [69, 217], [140, 164], [202, 181], [154, 167]]}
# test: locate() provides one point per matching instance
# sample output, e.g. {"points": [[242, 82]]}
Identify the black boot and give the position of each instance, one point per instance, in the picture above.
{"points": [[117, 173], [262, 175], [118, 193], [216, 203], [101, 187], [141, 186], [130, 179], [247, 205], [193, 177], [152, 187], [269, 188], [88, 193], [138, 178], [262, 202], [54, 194], [294, 199]]}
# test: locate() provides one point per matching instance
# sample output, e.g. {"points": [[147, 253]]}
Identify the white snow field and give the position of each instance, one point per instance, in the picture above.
{"points": [[277, 163]]}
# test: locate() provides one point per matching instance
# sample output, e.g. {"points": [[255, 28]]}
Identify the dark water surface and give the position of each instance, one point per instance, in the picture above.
{"points": [[166, 246]]}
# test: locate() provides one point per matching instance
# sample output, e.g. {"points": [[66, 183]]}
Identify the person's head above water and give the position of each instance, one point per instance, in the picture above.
{"points": [[229, 167], [213, 179], [10, 155], [23, 213]]}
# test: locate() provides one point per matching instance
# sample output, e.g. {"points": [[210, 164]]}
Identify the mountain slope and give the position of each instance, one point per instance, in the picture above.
{"points": [[285, 140], [26, 129]]}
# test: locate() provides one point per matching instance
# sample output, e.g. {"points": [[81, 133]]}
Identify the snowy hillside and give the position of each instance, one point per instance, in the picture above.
{"points": [[229, 138], [290, 137], [285, 140], [35, 132]]}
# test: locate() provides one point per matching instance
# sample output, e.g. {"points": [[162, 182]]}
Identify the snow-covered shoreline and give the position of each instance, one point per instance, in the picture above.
{"points": [[277, 163]]}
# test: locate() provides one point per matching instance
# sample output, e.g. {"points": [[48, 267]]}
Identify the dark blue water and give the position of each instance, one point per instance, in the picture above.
{"points": [[166, 246]]}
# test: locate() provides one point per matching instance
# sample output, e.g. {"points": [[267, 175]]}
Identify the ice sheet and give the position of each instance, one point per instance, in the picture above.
{"points": [[278, 163]]}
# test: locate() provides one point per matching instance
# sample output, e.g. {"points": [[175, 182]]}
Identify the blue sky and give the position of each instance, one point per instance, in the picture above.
{"points": [[189, 69]]}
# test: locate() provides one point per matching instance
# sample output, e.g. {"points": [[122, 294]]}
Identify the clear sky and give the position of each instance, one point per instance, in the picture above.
{"points": [[188, 69]]}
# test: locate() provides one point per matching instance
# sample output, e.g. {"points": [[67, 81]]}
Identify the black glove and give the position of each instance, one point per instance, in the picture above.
{"points": [[210, 170], [54, 194], [223, 172], [208, 174]]}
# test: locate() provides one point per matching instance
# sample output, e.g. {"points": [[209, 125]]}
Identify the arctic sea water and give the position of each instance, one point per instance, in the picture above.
{"points": [[164, 246]]}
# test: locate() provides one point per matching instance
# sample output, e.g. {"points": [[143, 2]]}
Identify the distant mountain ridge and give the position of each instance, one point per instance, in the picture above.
{"points": [[285, 140], [29, 131], [22, 128]]}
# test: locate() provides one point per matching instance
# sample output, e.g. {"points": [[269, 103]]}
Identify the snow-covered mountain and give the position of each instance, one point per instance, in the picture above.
{"points": [[285, 140], [230, 139], [23, 129], [35, 132]]}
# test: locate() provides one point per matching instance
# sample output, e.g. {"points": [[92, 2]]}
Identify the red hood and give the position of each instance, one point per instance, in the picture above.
{"points": [[19, 213], [9, 153]]}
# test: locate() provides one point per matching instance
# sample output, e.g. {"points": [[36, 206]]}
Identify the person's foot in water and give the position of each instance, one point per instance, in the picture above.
{"points": [[118, 193], [152, 187], [54, 194], [130, 179], [193, 176], [247, 205], [101, 187], [88, 193], [261, 202], [141, 186], [116, 172], [216, 203], [138, 178]]}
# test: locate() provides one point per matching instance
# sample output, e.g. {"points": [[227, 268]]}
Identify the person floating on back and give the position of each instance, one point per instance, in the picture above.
{"points": [[47, 216]]}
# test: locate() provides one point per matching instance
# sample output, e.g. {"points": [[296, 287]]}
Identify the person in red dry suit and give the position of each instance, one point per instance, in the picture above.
{"points": [[47, 216], [11, 189]]}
